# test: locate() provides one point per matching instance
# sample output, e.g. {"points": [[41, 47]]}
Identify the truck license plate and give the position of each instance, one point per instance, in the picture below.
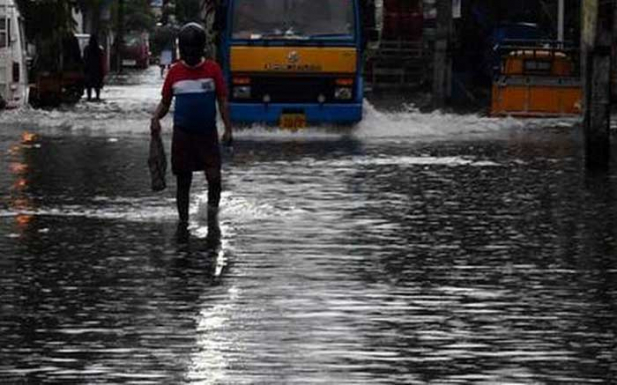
{"points": [[293, 121]]}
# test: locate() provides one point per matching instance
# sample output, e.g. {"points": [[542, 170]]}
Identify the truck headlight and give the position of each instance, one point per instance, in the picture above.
{"points": [[242, 92], [343, 93]]}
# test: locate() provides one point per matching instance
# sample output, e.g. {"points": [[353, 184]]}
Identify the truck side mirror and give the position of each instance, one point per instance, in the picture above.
{"points": [[220, 18]]}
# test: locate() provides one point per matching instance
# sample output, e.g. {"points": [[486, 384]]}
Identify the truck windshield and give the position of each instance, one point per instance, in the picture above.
{"points": [[293, 19]]}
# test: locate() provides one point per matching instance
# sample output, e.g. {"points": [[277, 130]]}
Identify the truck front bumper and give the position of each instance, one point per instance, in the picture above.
{"points": [[271, 113]]}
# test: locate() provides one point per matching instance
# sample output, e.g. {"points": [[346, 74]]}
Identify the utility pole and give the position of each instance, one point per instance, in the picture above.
{"points": [[442, 75], [208, 13], [596, 40], [120, 36], [561, 13]]}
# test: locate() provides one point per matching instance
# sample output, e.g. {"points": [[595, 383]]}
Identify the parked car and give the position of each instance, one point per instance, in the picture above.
{"points": [[136, 52]]}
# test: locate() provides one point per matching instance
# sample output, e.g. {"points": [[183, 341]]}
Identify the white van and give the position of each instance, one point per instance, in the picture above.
{"points": [[13, 67]]}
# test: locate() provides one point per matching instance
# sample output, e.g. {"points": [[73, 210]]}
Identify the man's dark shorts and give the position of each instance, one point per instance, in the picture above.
{"points": [[194, 152]]}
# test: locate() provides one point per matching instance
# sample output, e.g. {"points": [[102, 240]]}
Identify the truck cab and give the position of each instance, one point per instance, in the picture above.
{"points": [[293, 62]]}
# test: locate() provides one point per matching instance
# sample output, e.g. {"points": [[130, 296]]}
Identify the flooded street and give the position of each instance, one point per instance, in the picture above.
{"points": [[412, 249]]}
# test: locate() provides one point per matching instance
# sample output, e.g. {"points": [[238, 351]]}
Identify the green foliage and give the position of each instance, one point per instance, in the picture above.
{"points": [[46, 19], [138, 16], [187, 11]]}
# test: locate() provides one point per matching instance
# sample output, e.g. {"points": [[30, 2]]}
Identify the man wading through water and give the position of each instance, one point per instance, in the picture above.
{"points": [[197, 84]]}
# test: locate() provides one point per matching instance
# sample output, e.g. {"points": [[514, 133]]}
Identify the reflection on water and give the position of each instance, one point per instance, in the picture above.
{"points": [[339, 260]]}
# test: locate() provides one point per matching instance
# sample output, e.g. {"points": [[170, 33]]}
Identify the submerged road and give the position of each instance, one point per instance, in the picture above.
{"points": [[412, 249]]}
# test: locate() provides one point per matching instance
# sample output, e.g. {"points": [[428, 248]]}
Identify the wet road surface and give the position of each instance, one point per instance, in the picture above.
{"points": [[412, 249]]}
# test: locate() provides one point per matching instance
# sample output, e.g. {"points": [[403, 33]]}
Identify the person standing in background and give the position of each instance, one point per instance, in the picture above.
{"points": [[165, 59], [94, 67]]}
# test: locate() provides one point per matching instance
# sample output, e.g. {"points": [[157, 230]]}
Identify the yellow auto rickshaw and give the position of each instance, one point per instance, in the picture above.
{"points": [[537, 80]]}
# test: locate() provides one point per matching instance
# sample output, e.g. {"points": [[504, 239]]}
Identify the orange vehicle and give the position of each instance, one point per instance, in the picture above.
{"points": [[538, 80]]}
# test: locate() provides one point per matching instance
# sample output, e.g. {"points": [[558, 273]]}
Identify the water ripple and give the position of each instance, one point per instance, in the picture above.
{"points": [[416, 249]]}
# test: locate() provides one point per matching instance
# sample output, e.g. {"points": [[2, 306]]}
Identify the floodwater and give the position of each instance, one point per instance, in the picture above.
{"points": [[412, 249]]}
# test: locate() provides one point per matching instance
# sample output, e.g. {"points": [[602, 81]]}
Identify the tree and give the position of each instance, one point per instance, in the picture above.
{"points": [[138, 16], [187, 11], [47, 19]]}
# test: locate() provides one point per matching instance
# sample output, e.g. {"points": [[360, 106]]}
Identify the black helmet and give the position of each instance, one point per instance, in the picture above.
{"points": [[192, 42]]}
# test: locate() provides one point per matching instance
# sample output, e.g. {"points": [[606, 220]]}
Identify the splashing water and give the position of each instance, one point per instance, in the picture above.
{"points": [[126, 109]]}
